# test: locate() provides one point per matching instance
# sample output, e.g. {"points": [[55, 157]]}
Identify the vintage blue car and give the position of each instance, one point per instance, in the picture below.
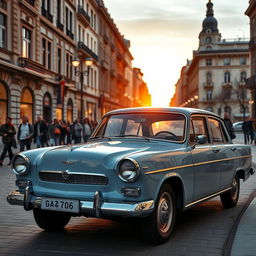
{"points": [[146, 163]]}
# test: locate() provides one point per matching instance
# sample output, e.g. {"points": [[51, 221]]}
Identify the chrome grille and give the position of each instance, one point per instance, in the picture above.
{"points": [[73, 178]]}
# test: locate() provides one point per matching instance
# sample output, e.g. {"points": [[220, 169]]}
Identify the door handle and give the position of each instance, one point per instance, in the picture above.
{"points": [[216, 150], [233, 149]]}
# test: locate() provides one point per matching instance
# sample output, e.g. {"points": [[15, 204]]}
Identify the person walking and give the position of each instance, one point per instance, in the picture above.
{"points": [[54, 133], [229, 125], [76, 132], [7, 131], [25, 134], [86, 130], [40, 134], [245, 128]]}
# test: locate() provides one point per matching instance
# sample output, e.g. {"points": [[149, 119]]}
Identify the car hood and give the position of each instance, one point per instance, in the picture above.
{"points": [[97, 155]]}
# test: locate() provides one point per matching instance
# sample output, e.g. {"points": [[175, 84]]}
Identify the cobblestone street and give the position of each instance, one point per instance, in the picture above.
{"points": [[202, 230]]}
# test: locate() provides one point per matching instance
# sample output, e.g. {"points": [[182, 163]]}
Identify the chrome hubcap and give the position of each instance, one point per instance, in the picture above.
{"points": [[234, 190], [164, 213]]}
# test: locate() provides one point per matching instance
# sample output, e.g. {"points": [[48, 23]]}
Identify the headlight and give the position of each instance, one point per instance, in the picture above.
{"points": [[128, 170], [20, 165]]}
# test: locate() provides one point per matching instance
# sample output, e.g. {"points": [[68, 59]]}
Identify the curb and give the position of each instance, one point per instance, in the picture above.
{"points": [[227, 247]]}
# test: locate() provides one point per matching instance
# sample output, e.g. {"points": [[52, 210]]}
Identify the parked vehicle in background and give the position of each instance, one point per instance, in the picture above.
{"points": [[238, 126], [147, 163]]}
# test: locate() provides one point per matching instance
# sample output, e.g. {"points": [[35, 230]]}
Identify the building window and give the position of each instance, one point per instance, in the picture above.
{"points": [[46, 9], [26, 43], [26, 104], [3, 4], [69, 23], [59, 10], [69, 67], [227, 77], [46, 53], [208, 62], [243, 76], [59, 61], [208, 39], [3, 103], [208, 77], [226, 61], [243, 60], [209, 95], [3, 43], [91, 111]]}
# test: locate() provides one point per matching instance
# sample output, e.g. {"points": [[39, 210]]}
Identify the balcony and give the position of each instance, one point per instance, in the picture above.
{"points": [[208, 85], [86, 50], [83, 16], [70, 34], [59, 25], [47, 14], [32, 65], [227, 84]]}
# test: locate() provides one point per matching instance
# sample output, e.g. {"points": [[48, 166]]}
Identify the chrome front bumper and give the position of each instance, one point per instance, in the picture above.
{"points": [[95, 208]]}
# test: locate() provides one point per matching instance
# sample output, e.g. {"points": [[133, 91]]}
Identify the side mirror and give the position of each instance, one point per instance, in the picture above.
{"points": [[201, 139]]}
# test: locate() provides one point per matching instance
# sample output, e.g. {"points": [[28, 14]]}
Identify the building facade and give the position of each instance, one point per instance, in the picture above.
{"points": [[215, 77], [251, 82], [38, 41]]}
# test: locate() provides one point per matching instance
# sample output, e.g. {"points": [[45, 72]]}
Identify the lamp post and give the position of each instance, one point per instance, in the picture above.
{"points": [[76, 62]]}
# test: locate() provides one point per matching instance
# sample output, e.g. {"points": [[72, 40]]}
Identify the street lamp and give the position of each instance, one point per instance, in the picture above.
{"points": [[75, 63]]}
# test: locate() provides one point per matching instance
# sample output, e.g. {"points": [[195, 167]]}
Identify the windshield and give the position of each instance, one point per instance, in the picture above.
{"points": [[167, 126]]}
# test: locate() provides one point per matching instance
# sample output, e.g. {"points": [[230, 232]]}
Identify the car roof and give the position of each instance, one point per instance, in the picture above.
{"points": [[186, 111]]}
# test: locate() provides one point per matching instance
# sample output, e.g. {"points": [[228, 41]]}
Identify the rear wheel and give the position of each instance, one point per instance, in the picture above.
{"points": [[229, 199], [158, 227], [51, 220]]}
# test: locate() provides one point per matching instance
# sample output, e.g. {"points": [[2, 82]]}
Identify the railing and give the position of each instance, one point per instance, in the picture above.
{"points": [[208, 84], [83, 47], [47, 14], [59, 25], [70, 34], [84, 14]]}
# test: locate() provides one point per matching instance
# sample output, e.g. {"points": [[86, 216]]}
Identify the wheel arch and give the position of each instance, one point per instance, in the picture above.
{"points": [[178, 188], [240, 173]]}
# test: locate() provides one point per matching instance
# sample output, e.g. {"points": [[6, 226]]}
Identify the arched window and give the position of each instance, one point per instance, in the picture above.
{"points": [[70, 111], [208, 39], [227, 77], [47, 107], [3, 103], [26, 104], [243, 76]]}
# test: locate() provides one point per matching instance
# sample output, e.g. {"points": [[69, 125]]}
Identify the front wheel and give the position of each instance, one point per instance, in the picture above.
{"points": [[158, 227], [229, 199], [50, 220]]}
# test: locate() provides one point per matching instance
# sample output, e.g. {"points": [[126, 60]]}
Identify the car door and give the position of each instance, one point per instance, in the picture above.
{"points": [[228, 152], [205, 159]]}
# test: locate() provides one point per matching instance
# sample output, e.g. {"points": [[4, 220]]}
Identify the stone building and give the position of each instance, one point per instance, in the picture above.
{"points": [[215, 77], [38, 41], [251, 82]]}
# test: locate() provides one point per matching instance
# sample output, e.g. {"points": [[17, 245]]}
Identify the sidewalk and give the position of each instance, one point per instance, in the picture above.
{"points": [[245, 237]]}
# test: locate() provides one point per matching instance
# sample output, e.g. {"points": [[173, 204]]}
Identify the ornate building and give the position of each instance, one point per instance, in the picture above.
{"points": [[215, 78], [38, 41]]}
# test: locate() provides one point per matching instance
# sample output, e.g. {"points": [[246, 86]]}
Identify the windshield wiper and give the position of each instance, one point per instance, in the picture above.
{"points": [[100, 137], [132, 135]]}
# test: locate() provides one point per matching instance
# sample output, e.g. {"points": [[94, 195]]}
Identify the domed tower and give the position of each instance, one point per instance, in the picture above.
{"points": [[210, 33]]}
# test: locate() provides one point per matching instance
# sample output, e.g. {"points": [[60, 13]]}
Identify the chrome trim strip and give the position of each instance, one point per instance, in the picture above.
{"points": [[207, 197], [197, 164], [129, 209], [76, 173]]}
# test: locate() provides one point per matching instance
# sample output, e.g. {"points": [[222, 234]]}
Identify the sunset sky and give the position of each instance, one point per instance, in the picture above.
{"points": [[164, 33]]}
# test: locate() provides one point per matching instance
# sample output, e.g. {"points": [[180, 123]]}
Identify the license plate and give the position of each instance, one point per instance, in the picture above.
{"points": [[62, 205]]}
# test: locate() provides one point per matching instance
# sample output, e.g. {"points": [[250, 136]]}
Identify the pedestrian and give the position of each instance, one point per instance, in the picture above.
{"points": [[54, 133], [7, 131], [76, 132], [229, 125], [87, 130], [250, 130], [40, 132], [63, 133], [25, 134], [245, 128], [68, 133]]}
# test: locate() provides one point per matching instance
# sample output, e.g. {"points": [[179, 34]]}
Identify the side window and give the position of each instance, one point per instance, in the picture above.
{"points": [[114, 127], [133, 128], [215, 129], [192, 137], [200, 128]]}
